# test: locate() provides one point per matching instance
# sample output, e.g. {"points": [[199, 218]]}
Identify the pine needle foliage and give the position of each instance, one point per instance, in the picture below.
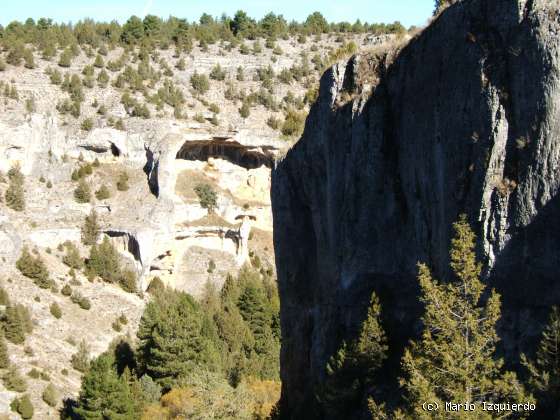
{"points": [[544, 370], [455, 360]]}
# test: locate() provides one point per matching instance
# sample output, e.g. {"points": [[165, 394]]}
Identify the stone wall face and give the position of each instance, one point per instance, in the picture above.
{"points": [[463, 120]]}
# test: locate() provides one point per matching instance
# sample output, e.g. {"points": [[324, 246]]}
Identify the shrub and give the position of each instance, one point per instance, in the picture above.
{"points": [[104, 261], [4, 355], [155, 286], [23, 406], [214, 108], [50, 395], [15, 195], [103, 78], [87, 124], [13, 380], [55, 310], [127, 281], [244, 49], [116, 326], [240, 76], [207, 196], [2, 64], [218, 73], [245, 110], [82, 301], [122, 182], [72, 258], [200, 83], [273, 123], [4, 297], [99, 63], [122, 319], [66, 290], [80, 359], [33, 268], [293, 123], [103, 193], [180, 64], [65, 59], [90, 229], [82, 193]]}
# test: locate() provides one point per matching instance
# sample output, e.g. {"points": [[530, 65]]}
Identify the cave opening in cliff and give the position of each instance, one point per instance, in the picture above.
{"points": [[233, 152]]}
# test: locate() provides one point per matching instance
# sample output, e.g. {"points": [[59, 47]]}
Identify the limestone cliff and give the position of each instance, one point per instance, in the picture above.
{"points": [[463, 119]]}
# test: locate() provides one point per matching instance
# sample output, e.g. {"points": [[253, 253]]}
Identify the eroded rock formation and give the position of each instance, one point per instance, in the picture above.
{"points": [[463, 119]]}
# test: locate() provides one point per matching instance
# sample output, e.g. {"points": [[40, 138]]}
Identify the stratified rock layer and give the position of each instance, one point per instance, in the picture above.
{"points": [[465, 119]]}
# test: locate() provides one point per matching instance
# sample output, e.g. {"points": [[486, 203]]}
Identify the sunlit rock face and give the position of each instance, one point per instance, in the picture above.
{"points": [[160, 215], [463, 120]]}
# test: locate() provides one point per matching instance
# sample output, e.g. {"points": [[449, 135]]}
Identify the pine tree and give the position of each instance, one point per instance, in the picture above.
{"points": [[34, 268], [49, 395], [104, 394], [15, 196], [351, 370], [13, 380], [90, 229], [4, 355], [82, 193], [104, 261], [24, 407], [73, 259], [14, 325], [80, 359], [171, 342], [544, 371], [455, 359]]}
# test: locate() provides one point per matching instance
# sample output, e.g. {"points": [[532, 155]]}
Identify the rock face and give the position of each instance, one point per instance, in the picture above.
{"points": [[463, 120]]}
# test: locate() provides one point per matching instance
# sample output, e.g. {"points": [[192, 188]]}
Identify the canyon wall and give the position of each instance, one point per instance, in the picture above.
{"points": [[463, 119]]}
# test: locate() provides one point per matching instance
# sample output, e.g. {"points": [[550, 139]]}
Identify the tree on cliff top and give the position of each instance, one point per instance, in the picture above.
{"points": [[455, 358]]}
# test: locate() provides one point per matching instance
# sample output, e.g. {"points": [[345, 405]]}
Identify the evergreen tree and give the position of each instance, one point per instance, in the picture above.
{"points": [[253, 308], [4, 297], [82, 193], [171, 343], [104, 261], [14, 324], [80, 360], [105, 395], [351, 370], [55, 310], [455, 358], [4, 355], [24, 407], [15, 195], [90, 229], [13, 380], [49, 395], [73, 259], [544, 371], [34, 268]]}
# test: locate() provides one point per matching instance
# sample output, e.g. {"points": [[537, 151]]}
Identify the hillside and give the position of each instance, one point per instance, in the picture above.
{"points": [[169, 137]]}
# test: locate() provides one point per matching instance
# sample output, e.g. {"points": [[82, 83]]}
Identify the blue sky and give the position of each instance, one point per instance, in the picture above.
{"points": [[409, 12]]}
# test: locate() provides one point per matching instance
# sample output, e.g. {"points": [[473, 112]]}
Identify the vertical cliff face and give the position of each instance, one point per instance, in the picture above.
{"points": [[464, 119]]}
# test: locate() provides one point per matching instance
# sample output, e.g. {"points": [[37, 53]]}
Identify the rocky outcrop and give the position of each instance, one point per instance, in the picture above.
{"points": [[463, 120]]}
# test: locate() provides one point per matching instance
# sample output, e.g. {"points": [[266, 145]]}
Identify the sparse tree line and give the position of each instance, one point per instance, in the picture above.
{"points": [[49, 36], [454, 359], [141, 40]]}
